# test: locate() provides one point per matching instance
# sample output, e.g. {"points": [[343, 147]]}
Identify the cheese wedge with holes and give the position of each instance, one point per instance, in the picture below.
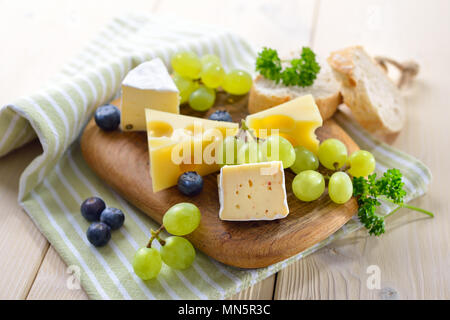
{"points": [[296, 121], [149, 85], [179, 143], [253, 191]]}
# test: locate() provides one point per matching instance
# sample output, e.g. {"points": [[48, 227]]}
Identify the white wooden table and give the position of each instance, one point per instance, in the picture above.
{"points": [[413, 256]]}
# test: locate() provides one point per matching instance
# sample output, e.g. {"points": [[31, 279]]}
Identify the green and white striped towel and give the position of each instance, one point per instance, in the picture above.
{"points": [[55, 183]]}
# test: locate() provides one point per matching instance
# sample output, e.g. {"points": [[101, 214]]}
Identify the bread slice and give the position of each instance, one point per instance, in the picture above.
{"points": [[266, 93], [373, 98]]}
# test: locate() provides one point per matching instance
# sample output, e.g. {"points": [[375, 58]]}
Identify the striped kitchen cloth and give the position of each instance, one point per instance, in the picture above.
{"points": [[53, 186]]}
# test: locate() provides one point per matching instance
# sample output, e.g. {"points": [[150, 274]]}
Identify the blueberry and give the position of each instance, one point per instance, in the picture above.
{"points": [[190, 183], [98, 234], [91, 208], [113, 217], [107, 117], [221, 115]]}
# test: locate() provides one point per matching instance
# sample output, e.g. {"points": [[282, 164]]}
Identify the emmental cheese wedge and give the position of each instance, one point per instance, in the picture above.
{"points": [[254, 191], [179, 143], [296, 120], [149, 85]]}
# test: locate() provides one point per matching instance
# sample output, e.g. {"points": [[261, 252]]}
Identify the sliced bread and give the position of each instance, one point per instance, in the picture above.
{"points": [[373, 98], [266, 93]]}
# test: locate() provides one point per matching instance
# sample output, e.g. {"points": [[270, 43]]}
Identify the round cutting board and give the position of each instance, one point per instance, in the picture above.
{"points": [[122, 161]]}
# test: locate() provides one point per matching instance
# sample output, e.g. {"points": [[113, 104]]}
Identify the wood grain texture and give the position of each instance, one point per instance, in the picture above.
{"points": [[413, 255], [36, 50], [22, 246], [285, 25], [123, 163], [55, 281], [262, 290], [265, 23]]}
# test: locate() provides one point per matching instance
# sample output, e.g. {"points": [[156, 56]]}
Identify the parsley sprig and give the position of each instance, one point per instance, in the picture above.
{"points": [[370, 191], [301, 72]]}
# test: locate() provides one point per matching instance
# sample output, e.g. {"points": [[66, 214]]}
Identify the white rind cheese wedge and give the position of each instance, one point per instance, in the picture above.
{"points": [[253, 191], [148, 86]]}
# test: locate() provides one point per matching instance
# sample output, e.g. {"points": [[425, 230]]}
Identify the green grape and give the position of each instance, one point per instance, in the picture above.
{"points": [[202, 99], [182, 219], [212, 75], [147, 263], [340, 187], [210, 58], [185, 85], [308, 185], [229, 151], [362, 163], [304, 160], [187, 64], [249, 153], [177, 253], [237, 82], [331, 152], [286, 152]]}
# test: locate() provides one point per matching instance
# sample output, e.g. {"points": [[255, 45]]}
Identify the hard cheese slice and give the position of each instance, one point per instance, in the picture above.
{"points": [[254, 191], [179, 143], [149, 85], [296, 121]]}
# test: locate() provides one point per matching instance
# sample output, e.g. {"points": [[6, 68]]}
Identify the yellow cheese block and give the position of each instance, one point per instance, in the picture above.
{"points": [[149, 85], [179, 143], [254, 191], [296, 121]]}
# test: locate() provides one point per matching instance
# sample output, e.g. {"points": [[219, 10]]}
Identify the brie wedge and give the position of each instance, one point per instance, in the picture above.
{"points": [[148, 86]]}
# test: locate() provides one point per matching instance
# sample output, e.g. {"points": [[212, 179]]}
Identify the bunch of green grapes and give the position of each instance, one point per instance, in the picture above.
{"points": [[197, 79], [176, 252], [274, 148], [309, 184]]}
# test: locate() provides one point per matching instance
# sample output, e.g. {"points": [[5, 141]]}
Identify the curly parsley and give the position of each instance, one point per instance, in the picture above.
{"points": [[301, 72], [268, 64], [370, 191]]}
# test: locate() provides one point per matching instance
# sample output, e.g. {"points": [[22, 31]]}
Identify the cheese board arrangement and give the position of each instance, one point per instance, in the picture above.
{"points": [[248, 170]]}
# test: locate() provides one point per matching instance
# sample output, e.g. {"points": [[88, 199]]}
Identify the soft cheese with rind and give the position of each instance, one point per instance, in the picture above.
{"points": [[148, 86], [252, 191]]}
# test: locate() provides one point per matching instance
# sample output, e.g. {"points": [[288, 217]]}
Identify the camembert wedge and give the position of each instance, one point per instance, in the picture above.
{"points": [[254, 191], [296, 121], [179, 143], [148, 86]]}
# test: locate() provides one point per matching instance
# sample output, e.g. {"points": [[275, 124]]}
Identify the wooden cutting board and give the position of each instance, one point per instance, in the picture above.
{"points": [[122, 161]]}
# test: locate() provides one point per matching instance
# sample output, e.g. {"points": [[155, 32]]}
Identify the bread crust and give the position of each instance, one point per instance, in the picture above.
{"points": [[259, 101], [356, 96]]}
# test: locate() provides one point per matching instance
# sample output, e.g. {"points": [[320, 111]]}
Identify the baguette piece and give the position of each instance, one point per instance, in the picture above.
{"points": [[373, 98], [266, 93]]}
